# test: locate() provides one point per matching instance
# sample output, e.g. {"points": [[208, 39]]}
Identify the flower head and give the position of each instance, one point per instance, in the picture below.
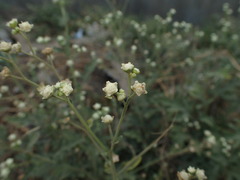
{"points": [[107, 118], [25, 26], [110, 89], [139, 88], [97, 106], [65, 87], [121, 95], [5, 72], [127, 67], [200, 174], [13, 23], [5, 46], [45, 91], [183, 175], [47, 51], [191, 169], [16, 48]]}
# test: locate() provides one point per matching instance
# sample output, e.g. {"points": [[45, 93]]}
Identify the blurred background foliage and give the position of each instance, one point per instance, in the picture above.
{"points": [[192, 76]]}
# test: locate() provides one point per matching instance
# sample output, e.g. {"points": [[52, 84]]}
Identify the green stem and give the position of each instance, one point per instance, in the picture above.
{"points": [[150, 146], [113, 168], [126, 104], [24, 79], [28, 42], [51, 66], [81, 128], [19, 71], [54, 69], [66, 29], [86, 127]]}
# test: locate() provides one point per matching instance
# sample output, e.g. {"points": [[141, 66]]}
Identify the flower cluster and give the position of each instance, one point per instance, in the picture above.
{"points": [[139, 88], [107, 119], [191, 174], [111, 88], [19, 27], [5, 168], [9, 47], [14, 141], [130, 69], [210, 139], [60, 88], [99, 111], [5, 73]]}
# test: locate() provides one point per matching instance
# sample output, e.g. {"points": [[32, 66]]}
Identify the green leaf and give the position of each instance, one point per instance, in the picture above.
{"points": [[34, 139]]}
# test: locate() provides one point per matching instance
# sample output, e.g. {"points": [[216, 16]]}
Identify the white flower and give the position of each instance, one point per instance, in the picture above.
{"points": [[16, 48], [200, 174], [110, 89], [5, 46], [9, 161], [70, 63], [45, 91], [158, 45], [5, 72], [97, 106], [118, 41], [25, 26], [133, 48], [108, 43], [183, 175], [4, 172], [115, 158], [127, 66], [65, 87], [96, 115], [136, 70], [76, 73], [139, 88], [60, 38], [214, 37], [13, 23], [207, 133], [84, 49], [105, 109], [107, 118], [191, 169], [4, 89], [12, 137]]}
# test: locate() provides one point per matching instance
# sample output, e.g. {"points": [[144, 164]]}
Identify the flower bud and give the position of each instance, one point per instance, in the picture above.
{"points": [[25, 26], [5, 46], [13, 23], [200, 174], [191, 169], [132, 75], [5, 72], [47, 51], [127, 67], [64, 87], [136, 70], [45, 91], [15, 31], [16, 48], [107, 119], [183, 175], [121, 95]]}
